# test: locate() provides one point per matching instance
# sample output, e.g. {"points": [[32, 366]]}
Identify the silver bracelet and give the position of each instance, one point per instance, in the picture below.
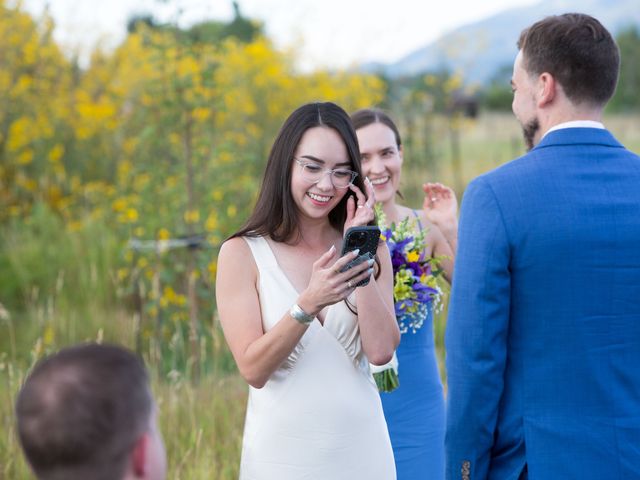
{"points": [[300, 315]]}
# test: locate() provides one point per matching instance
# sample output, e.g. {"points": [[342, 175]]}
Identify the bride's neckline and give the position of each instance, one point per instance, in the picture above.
{"points": [[322, 315]]}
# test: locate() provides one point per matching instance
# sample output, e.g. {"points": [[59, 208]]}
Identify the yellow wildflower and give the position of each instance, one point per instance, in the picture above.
{"points": [[212, 222], [119, 205], [164, 234], [131, 215], [122, 273], [26, 157], [192, 216], [48, 336], [55, 154], [413, 256]]}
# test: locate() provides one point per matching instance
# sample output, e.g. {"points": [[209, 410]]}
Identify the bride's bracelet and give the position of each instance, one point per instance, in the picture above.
{"points": [[300, 315]]}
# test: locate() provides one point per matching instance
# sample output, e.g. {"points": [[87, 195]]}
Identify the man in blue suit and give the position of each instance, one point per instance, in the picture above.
{"points": [[543, 336]]}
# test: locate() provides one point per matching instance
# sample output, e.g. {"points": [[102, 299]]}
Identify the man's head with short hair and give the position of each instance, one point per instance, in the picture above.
{"points": [[566, 70], [578, 51], [87, 412]]}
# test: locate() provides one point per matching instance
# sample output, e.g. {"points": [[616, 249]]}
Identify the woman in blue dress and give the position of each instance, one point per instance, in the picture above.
{"points": [[415, 410]]}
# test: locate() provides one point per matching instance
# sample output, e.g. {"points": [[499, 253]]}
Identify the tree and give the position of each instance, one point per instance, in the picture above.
{"points": [[497, 95], [626, 97], [35, 81], [210, 32]]}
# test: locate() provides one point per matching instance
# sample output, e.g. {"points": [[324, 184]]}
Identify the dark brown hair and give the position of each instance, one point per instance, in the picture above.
{"points": [[367, 116], [275, 213], [578, 51], [81, 411]]}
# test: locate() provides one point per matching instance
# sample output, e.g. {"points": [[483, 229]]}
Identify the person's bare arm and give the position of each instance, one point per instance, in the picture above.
{"points": [[379, 330]]}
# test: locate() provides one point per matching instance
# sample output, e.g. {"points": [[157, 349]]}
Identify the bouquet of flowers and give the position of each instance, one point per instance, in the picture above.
{"points": [[415, 287]]}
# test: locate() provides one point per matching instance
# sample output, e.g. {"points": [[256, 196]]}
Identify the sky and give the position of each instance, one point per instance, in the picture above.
{"points": [[324, 33]]}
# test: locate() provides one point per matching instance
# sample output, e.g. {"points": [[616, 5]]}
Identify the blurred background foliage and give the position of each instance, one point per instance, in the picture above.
{"points": [[163, 139], [119, 181]]}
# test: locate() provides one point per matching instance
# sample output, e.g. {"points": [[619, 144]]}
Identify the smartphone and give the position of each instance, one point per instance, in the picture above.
{"points": [[364, 239]]}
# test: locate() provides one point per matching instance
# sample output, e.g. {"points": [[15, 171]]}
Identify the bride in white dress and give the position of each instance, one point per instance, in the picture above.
{"points": [[288, 312]]}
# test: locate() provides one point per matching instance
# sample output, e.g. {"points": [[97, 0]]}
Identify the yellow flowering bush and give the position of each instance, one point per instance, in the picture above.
{"points": [[159, 145]]}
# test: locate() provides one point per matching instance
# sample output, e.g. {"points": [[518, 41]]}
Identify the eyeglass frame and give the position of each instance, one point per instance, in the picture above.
{"points": [[303, 163]]}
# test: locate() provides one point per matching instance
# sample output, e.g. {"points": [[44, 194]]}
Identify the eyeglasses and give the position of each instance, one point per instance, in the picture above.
{"points": [[340, 177]]}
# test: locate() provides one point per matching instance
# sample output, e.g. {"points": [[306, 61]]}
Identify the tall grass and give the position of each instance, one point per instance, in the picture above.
{"points": [[58, 287]]}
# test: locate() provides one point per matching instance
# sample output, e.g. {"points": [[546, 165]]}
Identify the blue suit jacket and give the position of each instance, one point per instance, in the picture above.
{"points": [[543, 335]]}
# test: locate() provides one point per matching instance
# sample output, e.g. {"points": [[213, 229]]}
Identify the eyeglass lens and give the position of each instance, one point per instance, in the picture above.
{"points": [[340, 178]]}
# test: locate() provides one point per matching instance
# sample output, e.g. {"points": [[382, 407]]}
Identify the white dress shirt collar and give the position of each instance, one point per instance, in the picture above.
{"points": [[575, 124]]}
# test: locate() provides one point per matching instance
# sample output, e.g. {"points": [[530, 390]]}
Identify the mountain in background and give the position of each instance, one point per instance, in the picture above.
{"points": [[479, 51]]}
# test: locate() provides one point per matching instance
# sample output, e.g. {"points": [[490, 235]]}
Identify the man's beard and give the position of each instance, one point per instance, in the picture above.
{"points": [[529, 131]]}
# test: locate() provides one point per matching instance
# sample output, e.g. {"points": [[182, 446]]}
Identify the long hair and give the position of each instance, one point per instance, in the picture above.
{"points": [[275, 213]]}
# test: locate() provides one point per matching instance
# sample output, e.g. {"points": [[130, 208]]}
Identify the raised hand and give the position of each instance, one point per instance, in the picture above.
{"points": [[440, 204], [360, 211]]}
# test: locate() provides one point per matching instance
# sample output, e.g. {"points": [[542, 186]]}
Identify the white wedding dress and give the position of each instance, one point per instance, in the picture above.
{"points": [[319, 416]]}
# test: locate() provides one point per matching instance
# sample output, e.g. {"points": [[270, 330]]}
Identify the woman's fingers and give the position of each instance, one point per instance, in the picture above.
{"points": [[371, 194], [360, 198], [363, 213], [344, 260], [362, 274], [368, 200], [436, 192], [325, 258], [355, 270]]}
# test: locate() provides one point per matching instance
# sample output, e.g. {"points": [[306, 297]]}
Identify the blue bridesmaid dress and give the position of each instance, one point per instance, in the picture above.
{"points": [[415, 411]]}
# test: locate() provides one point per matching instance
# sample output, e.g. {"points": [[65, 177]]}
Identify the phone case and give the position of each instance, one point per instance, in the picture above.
{"points": [[365, 239]]}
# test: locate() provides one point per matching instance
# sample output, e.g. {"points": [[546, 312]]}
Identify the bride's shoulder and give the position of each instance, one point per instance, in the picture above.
{"points": [[235, 259], [234, 248]]}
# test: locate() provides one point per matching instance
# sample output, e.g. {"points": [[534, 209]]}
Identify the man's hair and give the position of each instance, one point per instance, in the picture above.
{"points": [[81, 411], [578, 51]]}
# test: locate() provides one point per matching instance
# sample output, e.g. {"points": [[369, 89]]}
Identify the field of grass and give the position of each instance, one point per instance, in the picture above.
{"points": [[63, 290]]}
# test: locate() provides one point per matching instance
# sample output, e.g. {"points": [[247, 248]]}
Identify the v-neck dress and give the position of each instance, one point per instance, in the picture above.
{"points": [[319, 416]]}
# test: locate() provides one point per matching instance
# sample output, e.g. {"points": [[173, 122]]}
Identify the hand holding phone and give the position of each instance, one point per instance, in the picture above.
{"points": [[365, 239]]}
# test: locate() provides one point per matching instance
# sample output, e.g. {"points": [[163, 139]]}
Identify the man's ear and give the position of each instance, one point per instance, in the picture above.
{"points": [[139, 456], [546, 89]]}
